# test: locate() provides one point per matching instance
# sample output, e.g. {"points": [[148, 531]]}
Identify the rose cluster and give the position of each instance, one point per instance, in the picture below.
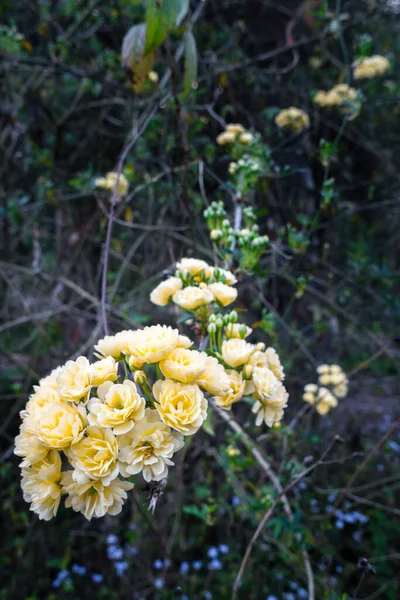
{"points": [[196, 285], [234, 132], [332, 384], [372, 66], [341, 96], [108, 183], [292, 118]]}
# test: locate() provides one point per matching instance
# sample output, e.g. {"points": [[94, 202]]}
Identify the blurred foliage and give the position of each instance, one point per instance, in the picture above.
{"points": [[328, 289]]}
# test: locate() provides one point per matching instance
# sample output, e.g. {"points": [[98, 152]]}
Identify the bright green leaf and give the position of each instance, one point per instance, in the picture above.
{"points": [[161, 17], [190, 62]]}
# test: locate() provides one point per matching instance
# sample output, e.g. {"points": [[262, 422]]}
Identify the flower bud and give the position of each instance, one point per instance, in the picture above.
{"points": [[260, 346], [216, 235], [247, 372], [211, 328], [140, 377], [243, 331], [225, 319], [219, 323], [212, 318], [233, 317]]}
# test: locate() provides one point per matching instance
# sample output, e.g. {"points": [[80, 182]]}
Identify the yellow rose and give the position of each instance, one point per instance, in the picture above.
{"points": [[227, 276], [95, 498], [104, 370], [109, 181], [236, 352], [246, 138], [152, 344], [271, 411], [223, 293], [111, 345], [265, 382], [118, 406], [182, 407], [183, 365], [258, 359], [75, 380], [323, 369], [274, 363], [237, 388], [226, 137], [215, 379], [95, 456], [148, 448], [39, 402], [325, 401], [41, 486], [61, 425], [237, 330], [235, 128], [50, 380], [162, 294], [192, 297], [195, 267], [341, 390], [28, 446], [184, 342]]}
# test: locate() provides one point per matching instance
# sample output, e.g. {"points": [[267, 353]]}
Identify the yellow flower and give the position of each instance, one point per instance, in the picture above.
{"points": [[258, 359], [40, 401], [184, 342], [28, 446], [372, 66], [265, 382], [104, 370], [236, 392], [111, 345], [271, 411], [109, 181], [118, 406], [223, 293], [153, 76], [274, 363], [61, 425], [292, 118], [195, 267], [215, 379], [341, 390], [41, 486], [50, 380], [323, 369], [246, 138], [226, 137], [162, 294], [325, 401], [75, 380], [232, 169], [183, 365], [148, 448], [236, 352], [182, 407], [227, 277], [95, 498], [192, 297], [237, 330], [152, 344], [235, 128], [95, 456]]}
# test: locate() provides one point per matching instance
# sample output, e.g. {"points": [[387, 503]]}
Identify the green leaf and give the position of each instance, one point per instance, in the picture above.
{"points": [[190, 62], [133, 56], [207, 424], [182, 12], [161, 17]]}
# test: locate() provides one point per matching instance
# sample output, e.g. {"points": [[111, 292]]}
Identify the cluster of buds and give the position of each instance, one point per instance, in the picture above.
{"points": [[251, 246], [235, 133], [372, 66], [292, 118], [332, 384], [109, 182], [342, 97]]}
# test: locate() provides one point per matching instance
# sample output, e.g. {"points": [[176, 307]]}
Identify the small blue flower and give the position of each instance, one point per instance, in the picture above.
{"points": [[97, 578], [197, 564], [212, 552], [62, 577], [339, 524], [293, 585], [184, 568], [111, 539], [207, 595], [223, 548], [271, 597], [120, 566], [114, 553], [236, 501], [215, 565], [159, 583], [302, 593], [78, 569], [339, 569], [332, 497], [158, 564]]}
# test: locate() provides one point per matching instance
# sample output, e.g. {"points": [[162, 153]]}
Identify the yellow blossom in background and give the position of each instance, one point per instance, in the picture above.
{"points": [[95, 456], [226, 137], [235, 128], [236, 352], [271, 411], [183, 365], [341, 96], [192, 297], [372, 66], [232, 170], [236, 392], [75, 380], [235, 132], [214, 379], [118, 407], [41, 486], [223, 293], [148, 448], [246, 138], [182, 407], [292, 118], [153, 76], [163, 293], [95, 498], [325, 401], [104, 370], [61, 425], [109, 182]]}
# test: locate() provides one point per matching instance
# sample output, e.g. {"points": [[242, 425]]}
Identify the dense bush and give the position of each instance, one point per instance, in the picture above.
{"points": [[323, 290]]}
